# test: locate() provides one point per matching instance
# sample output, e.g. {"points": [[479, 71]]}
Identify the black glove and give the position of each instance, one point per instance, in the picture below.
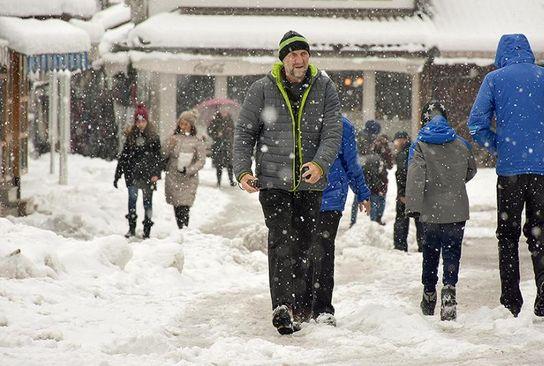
{"points": [[115, 183], [415, 215], [183, 171]]}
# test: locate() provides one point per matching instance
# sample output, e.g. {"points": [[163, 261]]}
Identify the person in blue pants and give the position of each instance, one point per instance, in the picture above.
{"points": [[345, 171]]}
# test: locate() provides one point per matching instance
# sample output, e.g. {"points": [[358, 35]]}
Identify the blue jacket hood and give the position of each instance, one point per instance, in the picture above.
{"points": [[437, 132], [513, 49]]}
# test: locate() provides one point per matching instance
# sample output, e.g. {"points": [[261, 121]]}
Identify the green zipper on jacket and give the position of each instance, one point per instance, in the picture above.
{"points": [[297, 142]]}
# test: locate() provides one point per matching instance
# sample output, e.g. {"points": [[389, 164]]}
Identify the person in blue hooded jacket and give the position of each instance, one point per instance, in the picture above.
{"points": [[514, 94], [439, 165], [345, 171]]}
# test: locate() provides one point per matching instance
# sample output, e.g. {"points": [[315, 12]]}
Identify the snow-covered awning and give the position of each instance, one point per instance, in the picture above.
{"points": [[48, 44], [463, 27], [30, 8], [182, 31]]}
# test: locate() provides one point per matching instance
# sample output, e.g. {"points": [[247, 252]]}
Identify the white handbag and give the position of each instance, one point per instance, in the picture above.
{"points": [[184, 160]]}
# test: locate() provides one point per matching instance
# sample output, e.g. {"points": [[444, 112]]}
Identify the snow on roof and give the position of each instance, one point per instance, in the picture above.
{"points": [[35, 37], [113, 36], [468, 25], [112, 16], [460, 25], [174, 30], [28, 8], [103, 20]]}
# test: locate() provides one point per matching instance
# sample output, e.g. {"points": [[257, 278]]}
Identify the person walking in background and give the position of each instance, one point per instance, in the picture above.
{"points": [[375, 165], [365, 141], [439, 166], [185, 155], [221, 130], [514, 93], [402, 143], [140, 163], [345, 171], [292, 117]]}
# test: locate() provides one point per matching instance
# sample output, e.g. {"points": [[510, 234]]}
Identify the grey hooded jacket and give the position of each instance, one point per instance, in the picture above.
{"points": [[267, 122], [440, 165]]}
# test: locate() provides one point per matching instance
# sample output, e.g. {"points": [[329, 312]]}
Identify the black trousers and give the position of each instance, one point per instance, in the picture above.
{"points": [[513, 193], [400, 229], [322, 256], [182, 215], [291, 218], [219, 172]]}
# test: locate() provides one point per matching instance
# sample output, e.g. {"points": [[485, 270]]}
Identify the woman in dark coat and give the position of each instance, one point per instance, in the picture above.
{"points": [[140, 162], [221, 130]]}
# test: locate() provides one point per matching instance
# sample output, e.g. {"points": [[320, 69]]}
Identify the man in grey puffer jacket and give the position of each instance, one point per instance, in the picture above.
{"points": [[293, 117]]}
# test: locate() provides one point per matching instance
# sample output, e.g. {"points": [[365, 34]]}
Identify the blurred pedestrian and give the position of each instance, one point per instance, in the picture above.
{"points": [[140, 163], [185, 155], [402, 143], [221, 130]]}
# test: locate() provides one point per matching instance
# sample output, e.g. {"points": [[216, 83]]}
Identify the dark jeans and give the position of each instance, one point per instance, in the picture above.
{"points": [[291, 218], [377, 203], [182, 215], [445, 238], [322, 256], [514, 192], [219, 173], [400, 229], [148, 201]]}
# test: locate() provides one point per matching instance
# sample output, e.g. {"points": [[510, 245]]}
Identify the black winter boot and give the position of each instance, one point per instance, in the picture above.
{"points": [[131, 217], [448, 307], [538, 266], [147, 227], [282, 319], [428, 302]]}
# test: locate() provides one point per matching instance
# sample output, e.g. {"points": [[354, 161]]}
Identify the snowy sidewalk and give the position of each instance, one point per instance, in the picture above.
{"points": [[202, 297]]}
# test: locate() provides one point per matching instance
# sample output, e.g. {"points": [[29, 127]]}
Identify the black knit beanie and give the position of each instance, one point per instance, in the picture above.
{"points": [[292, 41], [432, 109]]}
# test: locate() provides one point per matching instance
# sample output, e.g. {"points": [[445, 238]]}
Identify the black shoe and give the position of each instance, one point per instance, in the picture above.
{"points": [[538, 265], [539, 301], [131, 225], [147, 228], [428, 303], [448, 306], [282, 319]]}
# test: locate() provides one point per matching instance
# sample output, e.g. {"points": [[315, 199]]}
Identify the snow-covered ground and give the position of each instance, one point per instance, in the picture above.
{"points": [[79, 293]]}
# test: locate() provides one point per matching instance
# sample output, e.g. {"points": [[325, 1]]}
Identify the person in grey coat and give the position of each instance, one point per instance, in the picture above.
{"points": [[292, 116], [186, 155], [440, 164]]}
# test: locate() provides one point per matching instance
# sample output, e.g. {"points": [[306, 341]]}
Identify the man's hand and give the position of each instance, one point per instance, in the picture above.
{"points": [[312, 174], [154, 179], [402, 199], [365, 206], [246, 181]]}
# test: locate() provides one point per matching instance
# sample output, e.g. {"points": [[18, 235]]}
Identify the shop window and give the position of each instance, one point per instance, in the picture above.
{"points": [[350, 89], [393, 96], [238, 86], [193, 89]]}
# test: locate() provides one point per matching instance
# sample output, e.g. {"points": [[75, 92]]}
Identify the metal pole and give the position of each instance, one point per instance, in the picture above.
{"points": [[53, 117], [65, 126]]}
